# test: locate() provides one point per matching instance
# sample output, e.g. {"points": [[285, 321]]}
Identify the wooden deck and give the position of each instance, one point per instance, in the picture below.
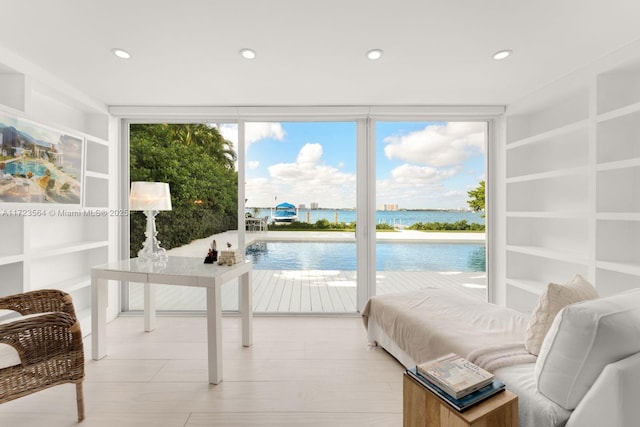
{"points": [[309, 291], [312, 291]]}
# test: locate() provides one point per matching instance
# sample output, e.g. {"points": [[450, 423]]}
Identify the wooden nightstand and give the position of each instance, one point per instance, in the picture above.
{"points": [[421, 408]]}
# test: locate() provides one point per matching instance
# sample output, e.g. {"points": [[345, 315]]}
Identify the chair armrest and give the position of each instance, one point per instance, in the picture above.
{"points": [[38, 337], [40, 301], [613, 398]]}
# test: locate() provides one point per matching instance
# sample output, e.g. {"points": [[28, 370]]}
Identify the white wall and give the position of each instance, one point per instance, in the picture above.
{"points": [[49, 251]]}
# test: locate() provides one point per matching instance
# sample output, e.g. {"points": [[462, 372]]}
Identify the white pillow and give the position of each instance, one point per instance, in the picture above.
{"points": [[583, 339], [552, 300], [8, 356]]}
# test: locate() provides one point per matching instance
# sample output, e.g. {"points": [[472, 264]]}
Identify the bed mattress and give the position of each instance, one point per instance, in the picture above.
{"points": [[418, 326], [430, 322]]}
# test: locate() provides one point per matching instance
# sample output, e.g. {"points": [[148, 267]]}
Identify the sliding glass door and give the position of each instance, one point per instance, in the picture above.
{"points": [[300, 196], [198, 161], [331, 212], [430, 219]]}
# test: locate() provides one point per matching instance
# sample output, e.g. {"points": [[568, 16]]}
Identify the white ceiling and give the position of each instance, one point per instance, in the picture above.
{"points": [[436, 52]]}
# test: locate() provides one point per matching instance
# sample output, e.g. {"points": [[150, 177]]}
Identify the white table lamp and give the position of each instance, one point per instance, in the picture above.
{"points": [[150, 197]]}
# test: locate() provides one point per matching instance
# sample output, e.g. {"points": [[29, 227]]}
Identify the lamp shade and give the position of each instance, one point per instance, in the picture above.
{"points": [[149, 196]]}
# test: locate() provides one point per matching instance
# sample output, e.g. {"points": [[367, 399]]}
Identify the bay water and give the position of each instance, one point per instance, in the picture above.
{"points": [[403, 218]]}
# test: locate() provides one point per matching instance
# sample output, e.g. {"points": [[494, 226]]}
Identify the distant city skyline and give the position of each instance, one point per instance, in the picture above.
{"points": [[419, 165]]}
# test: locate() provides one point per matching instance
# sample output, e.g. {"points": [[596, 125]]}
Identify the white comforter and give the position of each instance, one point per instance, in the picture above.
{"points": [[421, 325], [430, 322]]}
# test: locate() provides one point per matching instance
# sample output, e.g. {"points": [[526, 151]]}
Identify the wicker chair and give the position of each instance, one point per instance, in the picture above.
{"points": [[49, 342]]}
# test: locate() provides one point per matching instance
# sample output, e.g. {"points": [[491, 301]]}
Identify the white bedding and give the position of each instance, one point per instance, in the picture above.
{"points": [[430, 322], [420, 325]]}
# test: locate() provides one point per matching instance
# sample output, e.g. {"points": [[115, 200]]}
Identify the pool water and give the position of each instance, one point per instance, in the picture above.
{"points": [[23, 166], [405, 256]]}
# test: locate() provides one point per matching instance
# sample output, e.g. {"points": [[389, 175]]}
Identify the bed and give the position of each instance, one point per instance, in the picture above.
{"points": [[420, 325]]}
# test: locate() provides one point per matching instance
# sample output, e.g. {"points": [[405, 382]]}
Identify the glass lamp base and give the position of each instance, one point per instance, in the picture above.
{"points": [[151, 250]]}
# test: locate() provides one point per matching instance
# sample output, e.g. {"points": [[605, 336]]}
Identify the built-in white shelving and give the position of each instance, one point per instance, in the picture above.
{"points": [[617, 190], [554, 194], [572, 179], [618, 245], [618, 88], [615, 280], [57, 250], [96, 174], [619, 216]]}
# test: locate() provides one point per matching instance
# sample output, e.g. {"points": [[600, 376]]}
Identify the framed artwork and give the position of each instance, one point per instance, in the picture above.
{"points": [[39, 164]]}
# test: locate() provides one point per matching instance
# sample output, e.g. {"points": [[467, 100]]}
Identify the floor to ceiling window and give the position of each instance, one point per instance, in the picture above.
{"points": [[300, 180], [198, 161], [375, 206], [430, 218]]}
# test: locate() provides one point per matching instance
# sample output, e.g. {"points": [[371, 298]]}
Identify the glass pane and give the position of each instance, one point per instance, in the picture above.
{"points": [[301, 181], [430, 206], [199, 163]]}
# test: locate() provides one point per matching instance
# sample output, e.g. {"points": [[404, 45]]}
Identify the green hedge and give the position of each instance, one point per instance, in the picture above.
{"points": [[320, 225], [325, 225], [447, 226]]}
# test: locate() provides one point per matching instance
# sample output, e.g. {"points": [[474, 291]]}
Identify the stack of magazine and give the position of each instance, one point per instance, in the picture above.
{"points": [[456, 380]]}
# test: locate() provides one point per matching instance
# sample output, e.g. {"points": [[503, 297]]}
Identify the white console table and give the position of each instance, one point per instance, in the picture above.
{"points": [[182, 271]]}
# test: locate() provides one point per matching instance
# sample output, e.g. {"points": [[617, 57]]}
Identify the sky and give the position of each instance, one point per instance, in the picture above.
{"points": [[419, 165]]}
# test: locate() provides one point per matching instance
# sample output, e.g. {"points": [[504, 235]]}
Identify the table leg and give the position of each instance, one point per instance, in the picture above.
{"points": [[149, 307], [245, 303], [214, 334], [98, 317]]}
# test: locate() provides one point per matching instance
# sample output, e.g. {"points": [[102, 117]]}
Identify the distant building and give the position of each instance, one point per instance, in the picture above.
{"points": [[391, 207], [314, 205], [302, 206]]}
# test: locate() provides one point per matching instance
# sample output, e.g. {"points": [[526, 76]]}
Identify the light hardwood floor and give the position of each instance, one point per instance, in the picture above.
{"points": [[301, 371]]}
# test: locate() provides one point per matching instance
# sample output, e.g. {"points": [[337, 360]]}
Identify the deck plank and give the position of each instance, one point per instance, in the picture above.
{"points": [[312, 291], [261, 297], [285, 297], [305, 300], [296, 296]]}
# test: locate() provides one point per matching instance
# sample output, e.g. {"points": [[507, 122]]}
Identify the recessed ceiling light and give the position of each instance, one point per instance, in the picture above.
{"points": [[248, 53], [120, 53], [374, 54], [501, 54]]}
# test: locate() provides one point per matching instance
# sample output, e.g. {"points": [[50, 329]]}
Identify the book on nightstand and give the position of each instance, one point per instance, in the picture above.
{"points": [[465, 402], [455, 375]]}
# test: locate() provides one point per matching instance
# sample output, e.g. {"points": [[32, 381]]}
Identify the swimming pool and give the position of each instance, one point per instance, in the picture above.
{"points": [[21, 167], [403, 256]]}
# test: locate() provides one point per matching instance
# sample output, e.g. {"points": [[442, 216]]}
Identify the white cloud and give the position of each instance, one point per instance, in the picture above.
{"points": [[440, 145], [309, 154], [412, 186], [307, 180], [229, 131], [421, 175], [253, 164], [254, 132], [432, 195], [260, 192]]}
